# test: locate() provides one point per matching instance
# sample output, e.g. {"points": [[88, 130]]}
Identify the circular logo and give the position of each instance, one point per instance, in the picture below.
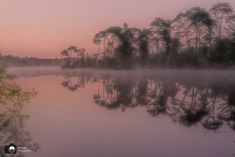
{"points": [[11, 149]]}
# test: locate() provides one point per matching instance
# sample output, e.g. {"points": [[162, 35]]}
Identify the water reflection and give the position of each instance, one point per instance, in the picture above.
{"points": [[12, 118], [187, 101]]}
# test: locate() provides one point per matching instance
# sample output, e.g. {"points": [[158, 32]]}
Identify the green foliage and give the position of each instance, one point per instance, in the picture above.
{"points": [[10, 93], [12, 100]]}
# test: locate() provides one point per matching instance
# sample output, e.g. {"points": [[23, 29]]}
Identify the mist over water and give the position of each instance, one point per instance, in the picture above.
{"points": [[50, 70], [109, 90], [102, 113]]}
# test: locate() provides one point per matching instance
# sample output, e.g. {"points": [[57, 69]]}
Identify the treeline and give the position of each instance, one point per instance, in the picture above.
{"points": [[12, 61], [195, 38]]}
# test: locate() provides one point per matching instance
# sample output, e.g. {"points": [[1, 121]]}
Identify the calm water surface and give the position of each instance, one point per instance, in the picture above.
{"points": [[142, 113]]}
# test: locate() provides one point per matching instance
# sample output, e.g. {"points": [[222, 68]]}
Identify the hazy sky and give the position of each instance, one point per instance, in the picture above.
{"points": [[42, 28]]}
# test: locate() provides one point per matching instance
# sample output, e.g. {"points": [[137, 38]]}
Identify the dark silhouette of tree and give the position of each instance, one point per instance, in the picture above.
{"points": [[72, 54], [199, 20], [189, 39], [230, 21], [97, 41], [221, 13], [68, 54], [162, 28], [123, 44], [99, 37], [182, 30], [143, 45]]}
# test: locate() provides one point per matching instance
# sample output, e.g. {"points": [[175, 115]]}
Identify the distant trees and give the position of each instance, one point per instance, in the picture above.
{"points": [[9, 60], [120, 42], [70, 51], [123, 45], [196, 37], [72, 54]]}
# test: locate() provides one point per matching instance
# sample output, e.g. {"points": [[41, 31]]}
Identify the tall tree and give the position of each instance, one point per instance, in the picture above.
{"points": [[124, 43], [221, 13], [98, 42], [230, 29], [162, 29], [143, 44], [70, 52], [200, 20], [99, 38], [181, 29]]}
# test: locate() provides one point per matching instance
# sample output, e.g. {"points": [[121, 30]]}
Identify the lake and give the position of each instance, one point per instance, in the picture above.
{"points": [[138, 113]]}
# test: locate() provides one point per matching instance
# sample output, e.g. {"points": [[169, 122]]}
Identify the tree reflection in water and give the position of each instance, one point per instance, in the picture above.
{"points": [[12, 100], [187, 101], [73, 83]]}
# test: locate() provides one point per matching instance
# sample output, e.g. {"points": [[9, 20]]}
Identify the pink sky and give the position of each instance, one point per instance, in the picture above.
{"points": [[42, 28]]}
